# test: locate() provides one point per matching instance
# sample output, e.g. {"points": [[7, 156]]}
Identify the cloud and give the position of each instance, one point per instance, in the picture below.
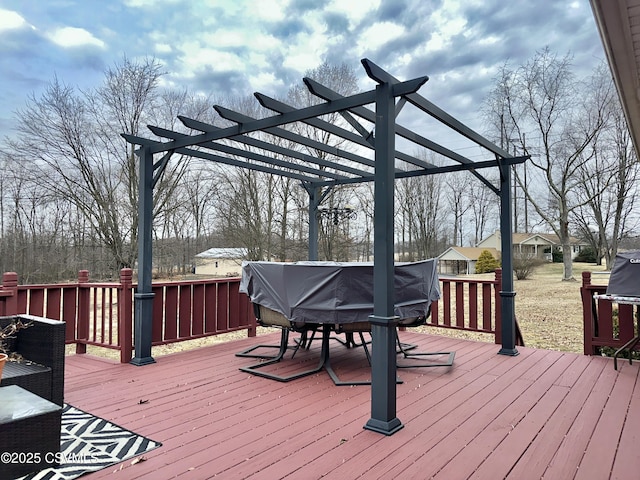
{"points": [[10, 20], [236, 47], [69, 37], [148, 3]]}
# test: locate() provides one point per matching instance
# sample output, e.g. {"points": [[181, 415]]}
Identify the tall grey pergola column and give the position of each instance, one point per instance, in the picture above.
{"points": [[507, 294], [316, 195], [383, 321], [314, 201], [143, 298]]}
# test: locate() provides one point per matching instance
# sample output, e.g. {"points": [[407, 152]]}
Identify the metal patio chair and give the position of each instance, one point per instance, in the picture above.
{"points": [[270, 318], [407, 350]]}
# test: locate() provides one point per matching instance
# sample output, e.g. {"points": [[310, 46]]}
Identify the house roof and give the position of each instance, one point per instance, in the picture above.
{"points": [[466, 253], [618, 22], [529, 238], [532, 237], [550, 237], [223, 253]]}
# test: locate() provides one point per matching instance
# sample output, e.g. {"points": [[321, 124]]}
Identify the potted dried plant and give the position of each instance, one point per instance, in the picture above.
{"points": [[8, 338]]}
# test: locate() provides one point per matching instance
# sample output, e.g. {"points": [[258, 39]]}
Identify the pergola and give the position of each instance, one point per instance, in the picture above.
{"points": [[348, 165]]}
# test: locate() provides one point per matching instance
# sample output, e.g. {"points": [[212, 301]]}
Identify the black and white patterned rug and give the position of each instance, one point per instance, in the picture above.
{"points": [[89, 443]]}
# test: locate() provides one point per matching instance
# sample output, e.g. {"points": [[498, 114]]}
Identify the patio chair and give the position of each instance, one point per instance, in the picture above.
{"points": [[349, 329], [404, 349], [42, 347], [270, 318]]}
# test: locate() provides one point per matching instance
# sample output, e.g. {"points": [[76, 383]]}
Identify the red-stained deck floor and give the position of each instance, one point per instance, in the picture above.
{"points": [[542, 414]]}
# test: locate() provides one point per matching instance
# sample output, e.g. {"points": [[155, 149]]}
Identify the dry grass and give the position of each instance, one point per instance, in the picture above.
{"points": [[549, 312]]}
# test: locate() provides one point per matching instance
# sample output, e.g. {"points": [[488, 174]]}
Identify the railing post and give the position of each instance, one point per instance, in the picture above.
{"points": [[10, 283], [84, 317], [587, 313], [498, 307], [125, 315]]}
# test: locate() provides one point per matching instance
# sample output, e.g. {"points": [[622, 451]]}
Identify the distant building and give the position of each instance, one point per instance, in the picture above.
{"points": [[220, 262], [462, 260], [540, 245]]}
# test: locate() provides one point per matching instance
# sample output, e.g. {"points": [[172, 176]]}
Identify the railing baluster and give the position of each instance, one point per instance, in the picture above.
{"points": [[473, 306]]}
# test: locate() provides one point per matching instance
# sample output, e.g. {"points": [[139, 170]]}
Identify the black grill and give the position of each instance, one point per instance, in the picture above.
{"points": [[624, 280]]}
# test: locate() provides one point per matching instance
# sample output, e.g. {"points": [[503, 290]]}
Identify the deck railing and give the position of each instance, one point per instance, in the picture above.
{"points": [[101, 314], [469, 304], [606, 324]]}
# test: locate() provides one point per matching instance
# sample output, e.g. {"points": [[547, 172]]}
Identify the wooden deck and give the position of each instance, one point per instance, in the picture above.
{"points": [[542, 414]]}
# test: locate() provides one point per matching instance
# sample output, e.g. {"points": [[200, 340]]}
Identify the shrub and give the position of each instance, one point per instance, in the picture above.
{"points": [[486, 263], [524, 265], [586, 255]]}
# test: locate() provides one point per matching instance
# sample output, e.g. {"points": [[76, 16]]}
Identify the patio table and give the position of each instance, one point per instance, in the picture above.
{"points": [[336, 295]]}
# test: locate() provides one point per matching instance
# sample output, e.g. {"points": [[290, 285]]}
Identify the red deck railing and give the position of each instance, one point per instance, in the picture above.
{"points": [[468, 304], [606, 324], [101, 314]]}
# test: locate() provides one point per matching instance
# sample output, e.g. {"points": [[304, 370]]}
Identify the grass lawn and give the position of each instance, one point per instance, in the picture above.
{"points": [[549, 311]]}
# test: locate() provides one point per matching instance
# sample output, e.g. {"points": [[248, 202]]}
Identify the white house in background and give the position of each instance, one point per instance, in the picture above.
{"points": [[221, 262], [462, 260], [537, 244]]}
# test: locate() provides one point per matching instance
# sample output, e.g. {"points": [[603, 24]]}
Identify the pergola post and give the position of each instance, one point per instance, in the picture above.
{"points": [[143, 298], [507, 295], [314, 202], [383, 322]]}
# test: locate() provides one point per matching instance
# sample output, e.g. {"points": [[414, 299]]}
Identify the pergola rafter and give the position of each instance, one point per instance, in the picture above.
{"points": [[235, 146]]}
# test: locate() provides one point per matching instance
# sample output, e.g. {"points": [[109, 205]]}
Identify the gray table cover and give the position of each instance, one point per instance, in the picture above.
{"points": [[337, 292]]}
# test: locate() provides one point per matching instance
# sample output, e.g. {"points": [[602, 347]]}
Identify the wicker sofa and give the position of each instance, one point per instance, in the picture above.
{"points": [[42, 346]]}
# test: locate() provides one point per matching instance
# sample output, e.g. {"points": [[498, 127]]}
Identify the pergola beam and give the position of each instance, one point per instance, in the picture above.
{"points": [[431, 171], [280, 107], [378, 74], [229, 150], [292, 137], [281, 132], [328, 94]]}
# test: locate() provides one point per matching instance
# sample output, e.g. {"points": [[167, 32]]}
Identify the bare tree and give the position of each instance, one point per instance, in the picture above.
{"points": [[74, 143], [456, 195], [608, 188], [542, 97], [419, 206], [334, 242], [483, 208]]}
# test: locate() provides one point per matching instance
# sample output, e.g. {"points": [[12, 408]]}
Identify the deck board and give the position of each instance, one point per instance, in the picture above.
{"points": [[598, 460], [539, 414]]}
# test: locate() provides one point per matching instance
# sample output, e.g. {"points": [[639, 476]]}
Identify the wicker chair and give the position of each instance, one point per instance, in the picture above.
{"points": [[42, 346]]}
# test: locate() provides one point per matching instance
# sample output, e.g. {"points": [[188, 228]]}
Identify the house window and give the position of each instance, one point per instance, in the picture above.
{"points": [[216, 264]]}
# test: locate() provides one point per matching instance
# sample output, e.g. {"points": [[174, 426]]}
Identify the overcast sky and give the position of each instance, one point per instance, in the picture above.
{"points": [[237, 47]]}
